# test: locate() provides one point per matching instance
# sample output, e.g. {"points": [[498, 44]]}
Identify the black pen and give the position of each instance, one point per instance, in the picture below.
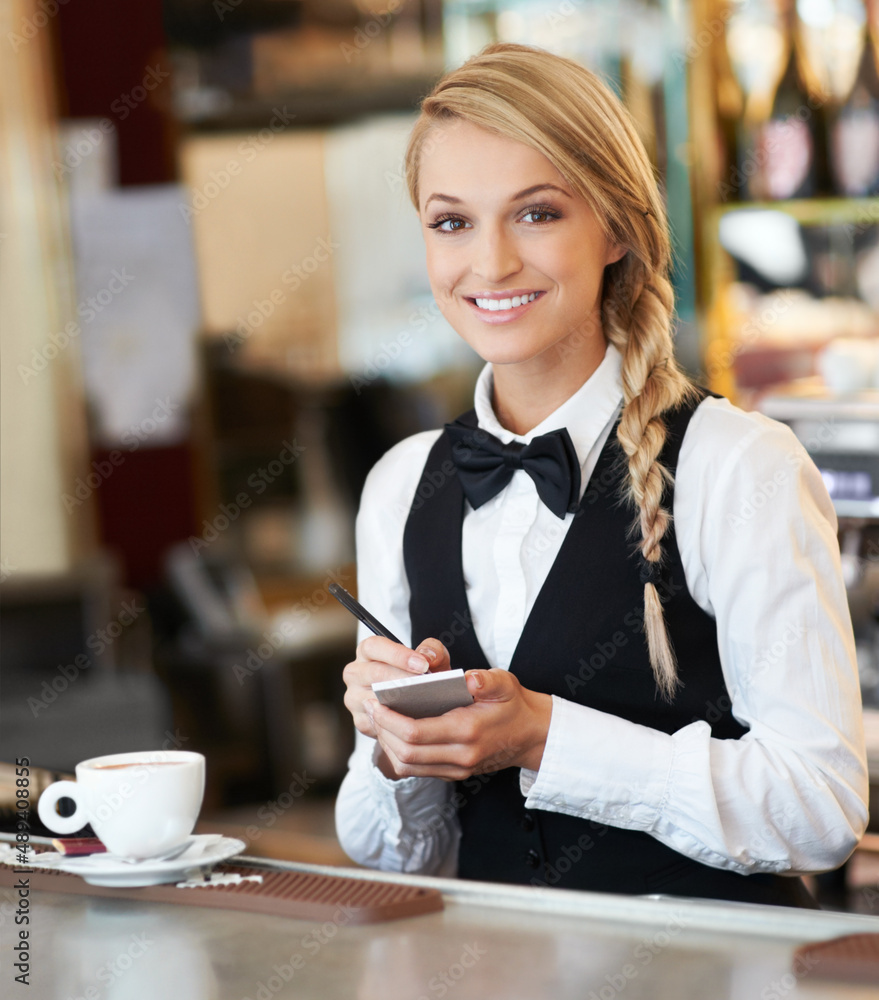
{"points": [[358, 610]]}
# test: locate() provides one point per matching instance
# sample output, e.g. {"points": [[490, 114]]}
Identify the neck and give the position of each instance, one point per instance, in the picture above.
{"points": [[525, 394]]}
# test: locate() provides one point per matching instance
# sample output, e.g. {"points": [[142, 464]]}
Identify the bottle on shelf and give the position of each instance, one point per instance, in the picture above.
{"points": [[785, 147], [854, 134]]}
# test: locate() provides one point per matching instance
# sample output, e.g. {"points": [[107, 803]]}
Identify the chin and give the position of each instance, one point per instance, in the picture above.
{"points": [[508, 354]]}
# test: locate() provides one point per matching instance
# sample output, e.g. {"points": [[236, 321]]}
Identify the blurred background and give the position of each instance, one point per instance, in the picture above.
{"points": [[215, 317]]}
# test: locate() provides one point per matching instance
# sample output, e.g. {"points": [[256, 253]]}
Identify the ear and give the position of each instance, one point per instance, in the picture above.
{"points": [[615, 252]]}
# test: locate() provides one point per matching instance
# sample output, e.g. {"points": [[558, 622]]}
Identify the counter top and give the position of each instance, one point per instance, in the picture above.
{"points": [[490, 941]]}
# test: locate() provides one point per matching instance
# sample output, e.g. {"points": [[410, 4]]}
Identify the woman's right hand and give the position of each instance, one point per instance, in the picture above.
{"points": [[380, 659]]}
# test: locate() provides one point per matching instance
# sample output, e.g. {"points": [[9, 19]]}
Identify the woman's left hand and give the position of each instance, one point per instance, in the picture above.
{"points": [[506, 726]]}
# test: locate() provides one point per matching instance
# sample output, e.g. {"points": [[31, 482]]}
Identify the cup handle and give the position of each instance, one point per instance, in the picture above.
{"points": [[49, 816]]}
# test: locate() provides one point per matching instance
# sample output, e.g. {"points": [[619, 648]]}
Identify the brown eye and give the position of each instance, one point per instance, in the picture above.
{"points": [[538, 215], [448, 224]]}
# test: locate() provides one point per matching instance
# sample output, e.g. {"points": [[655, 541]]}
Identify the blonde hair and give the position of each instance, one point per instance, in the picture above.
{"points": [[561, 109]]}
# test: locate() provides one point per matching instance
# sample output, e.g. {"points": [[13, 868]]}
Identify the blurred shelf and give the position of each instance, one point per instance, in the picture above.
{"points": [[815, 403], [810, 211], [330, 103]]}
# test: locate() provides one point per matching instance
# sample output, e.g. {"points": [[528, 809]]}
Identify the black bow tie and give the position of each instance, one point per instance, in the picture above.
{"points": [[485, 465]]}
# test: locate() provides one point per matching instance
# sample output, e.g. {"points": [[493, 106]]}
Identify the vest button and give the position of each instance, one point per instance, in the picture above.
{"points": [[532, 859], [528, 822]]}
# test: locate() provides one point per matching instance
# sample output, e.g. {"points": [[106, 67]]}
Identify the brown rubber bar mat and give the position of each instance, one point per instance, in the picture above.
{"points": [[852, 959], [300, 895]]}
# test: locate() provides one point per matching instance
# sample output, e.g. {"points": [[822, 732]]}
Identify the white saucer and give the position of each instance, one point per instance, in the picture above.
{"points": [[205, 851]]}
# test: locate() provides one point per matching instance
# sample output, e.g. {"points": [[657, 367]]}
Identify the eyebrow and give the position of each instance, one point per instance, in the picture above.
{"points": [[452, 200]]}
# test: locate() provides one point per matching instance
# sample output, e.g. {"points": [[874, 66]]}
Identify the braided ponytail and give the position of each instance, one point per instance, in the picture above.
{"points": [[565, 112], [652, 384]]}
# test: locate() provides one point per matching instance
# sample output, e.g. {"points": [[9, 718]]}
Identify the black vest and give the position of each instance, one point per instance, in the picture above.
{"points": [[583, 641]]}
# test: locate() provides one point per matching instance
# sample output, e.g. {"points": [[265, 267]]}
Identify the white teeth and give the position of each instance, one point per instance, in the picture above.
{"points": [[493, 305]]}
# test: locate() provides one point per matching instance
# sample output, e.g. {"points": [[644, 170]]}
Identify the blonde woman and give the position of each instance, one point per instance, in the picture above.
{"points": [[641, 580]]}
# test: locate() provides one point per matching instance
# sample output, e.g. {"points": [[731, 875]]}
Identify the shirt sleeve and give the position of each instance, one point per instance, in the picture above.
{"points": [[757, 535], [409, 825]]}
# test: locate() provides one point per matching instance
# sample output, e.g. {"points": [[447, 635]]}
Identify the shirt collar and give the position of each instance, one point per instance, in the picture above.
{"points": [[585, 414]]}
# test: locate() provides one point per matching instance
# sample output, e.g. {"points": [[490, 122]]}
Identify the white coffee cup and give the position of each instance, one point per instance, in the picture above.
{"points": [[139, 804], [849, 365]]}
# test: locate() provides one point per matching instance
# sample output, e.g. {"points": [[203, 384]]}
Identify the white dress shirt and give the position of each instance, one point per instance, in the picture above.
{"points": [[756, 532]]}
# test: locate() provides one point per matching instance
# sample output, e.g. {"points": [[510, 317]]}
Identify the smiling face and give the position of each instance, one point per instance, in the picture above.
{"points": [[515, 256]]}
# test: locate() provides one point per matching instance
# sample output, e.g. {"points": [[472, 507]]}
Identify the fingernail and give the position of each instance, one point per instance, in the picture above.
{"points": [[417, 663], [368, 707], [428, 652], [477, 678]]}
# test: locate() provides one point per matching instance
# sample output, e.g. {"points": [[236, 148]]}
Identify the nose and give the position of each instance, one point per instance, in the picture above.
{"points": [[495, 255]]}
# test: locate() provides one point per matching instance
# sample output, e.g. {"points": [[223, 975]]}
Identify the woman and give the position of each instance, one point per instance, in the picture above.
{"points": [[642, 580]]}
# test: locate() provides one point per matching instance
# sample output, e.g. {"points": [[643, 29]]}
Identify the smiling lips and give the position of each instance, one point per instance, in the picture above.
{"points": [[499, 307]]}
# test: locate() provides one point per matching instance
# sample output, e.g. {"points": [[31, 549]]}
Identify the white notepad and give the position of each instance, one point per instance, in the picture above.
{"points": [[426, 695]]}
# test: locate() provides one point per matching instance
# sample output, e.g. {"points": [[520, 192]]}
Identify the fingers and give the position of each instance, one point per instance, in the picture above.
{"points": [[506, 726], [381, 659], [359, 677], [446, 771], [378, 649], [378, 659], [456, 726], [452, 761], [492, 685], [436, 653], [448, 761]]}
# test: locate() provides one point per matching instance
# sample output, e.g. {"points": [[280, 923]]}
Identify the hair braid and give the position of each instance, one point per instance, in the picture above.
{"points": [[639, 324]]}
